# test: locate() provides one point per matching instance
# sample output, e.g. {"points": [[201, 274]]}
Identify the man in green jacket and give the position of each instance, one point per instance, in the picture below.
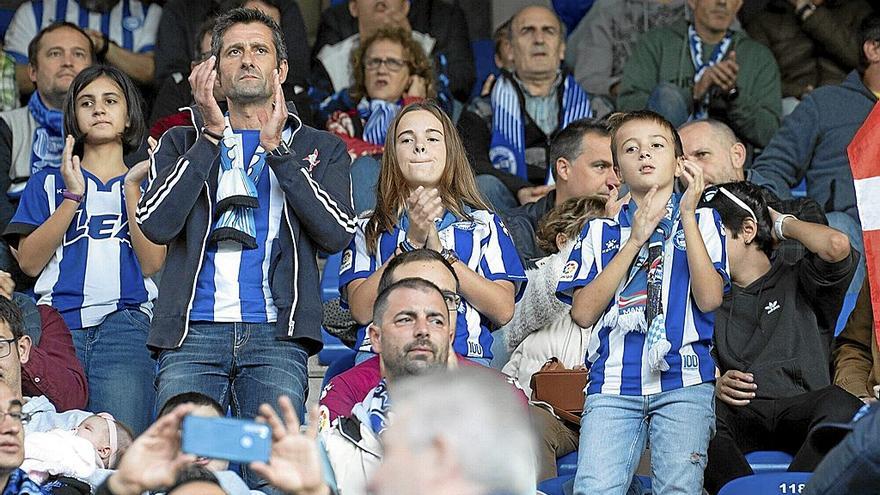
{"points": [[704, 69]]}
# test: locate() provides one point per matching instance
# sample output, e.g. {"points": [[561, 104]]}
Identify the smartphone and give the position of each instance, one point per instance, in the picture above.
{"points": [[230, 439]]}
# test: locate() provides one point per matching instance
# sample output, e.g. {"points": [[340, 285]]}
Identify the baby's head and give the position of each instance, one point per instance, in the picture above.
{"points": [[110, 437], [647, 150]]}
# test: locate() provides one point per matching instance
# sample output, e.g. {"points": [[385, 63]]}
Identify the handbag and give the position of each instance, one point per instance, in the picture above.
{"points": [[562, 388]]}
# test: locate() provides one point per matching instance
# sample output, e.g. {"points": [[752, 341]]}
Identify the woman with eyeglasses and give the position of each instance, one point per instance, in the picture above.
{"points": [[390, 70], [427, 198], [773, 334]]}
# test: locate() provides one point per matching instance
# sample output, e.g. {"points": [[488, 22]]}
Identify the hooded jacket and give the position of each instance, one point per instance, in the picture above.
{"points": [[662, 55], [812, 144], [176, 210]]}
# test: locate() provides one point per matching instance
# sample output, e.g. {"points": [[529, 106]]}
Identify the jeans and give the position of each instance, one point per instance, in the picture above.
{"points": [[671, 102], [118, 367], [853, 466], [781, 424], [496, 193], [364, 178], [240, 365], [849, 226], [616, 428]]}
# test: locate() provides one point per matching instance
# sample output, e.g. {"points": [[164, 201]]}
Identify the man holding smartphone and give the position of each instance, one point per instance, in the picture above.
{"points": [[243, 201]]}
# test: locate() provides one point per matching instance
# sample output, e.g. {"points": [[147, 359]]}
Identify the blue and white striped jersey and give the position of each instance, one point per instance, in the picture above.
{"points": [[233, 283], [94, 271], [483, 244], [617, 359], [130, 24]]}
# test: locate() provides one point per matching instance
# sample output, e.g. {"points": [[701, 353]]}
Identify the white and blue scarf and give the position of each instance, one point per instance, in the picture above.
{"points": [[237, 190], [640, 304], [377, 115], [374, 410], [507, 150], [48, 143], [701, 107]]}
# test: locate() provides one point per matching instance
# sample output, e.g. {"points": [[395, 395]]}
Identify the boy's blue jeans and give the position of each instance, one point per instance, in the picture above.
{"points": [[616, 428], [120, 372]]}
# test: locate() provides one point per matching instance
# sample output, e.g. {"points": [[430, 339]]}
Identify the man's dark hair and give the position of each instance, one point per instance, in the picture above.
{"points": [[195, 398], [10, 313], [136, 128], [383, 299], [192, 473], [869, 30], [733, 215], [34, 45], [617, 120], [419, 255], [247, 16], [207, 27], [568, 142]]}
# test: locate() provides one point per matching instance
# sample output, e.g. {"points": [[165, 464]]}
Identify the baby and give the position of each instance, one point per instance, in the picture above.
{"points": [[97, 442]]}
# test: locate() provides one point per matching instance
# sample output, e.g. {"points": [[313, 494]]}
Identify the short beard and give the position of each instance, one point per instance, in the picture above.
{"points": [[400, 365], [248, 96]]}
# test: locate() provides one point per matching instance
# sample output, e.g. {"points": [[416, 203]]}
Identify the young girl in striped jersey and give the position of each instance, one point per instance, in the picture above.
{"points": [[75, 230], [427, 197]]}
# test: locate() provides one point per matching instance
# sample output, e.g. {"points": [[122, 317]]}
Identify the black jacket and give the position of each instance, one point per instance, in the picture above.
{"points": [[176, 211], [522, 222], [781, 326]]}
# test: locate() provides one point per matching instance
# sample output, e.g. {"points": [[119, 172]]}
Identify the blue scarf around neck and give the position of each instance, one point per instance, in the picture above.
{"points": [[48, 139], [507, 150], [701, 107], [377, 115]]}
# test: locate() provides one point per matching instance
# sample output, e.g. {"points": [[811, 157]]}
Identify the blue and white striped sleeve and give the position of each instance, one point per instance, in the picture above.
{"points": [[712, 231], [357, 262], [581, 267], [33, 208], [500, 259], [21, 31]]}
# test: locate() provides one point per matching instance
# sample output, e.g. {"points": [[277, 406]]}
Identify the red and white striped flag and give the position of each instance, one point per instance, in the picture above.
{"points": [[864, 159]]}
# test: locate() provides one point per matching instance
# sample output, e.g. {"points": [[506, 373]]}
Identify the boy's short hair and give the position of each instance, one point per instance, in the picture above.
{"points": [[195, 398], [618, 120], [733, 215], [568, 218]]}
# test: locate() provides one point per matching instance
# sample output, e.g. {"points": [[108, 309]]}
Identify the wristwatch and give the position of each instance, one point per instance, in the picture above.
{"points": [[281, 150], [732, 94], [777, 225], [449, 255], [77, 198]]}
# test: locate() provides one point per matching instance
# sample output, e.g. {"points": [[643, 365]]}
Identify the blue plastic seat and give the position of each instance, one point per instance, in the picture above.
{"points": [[759, 484], [567, 464], [330, 277], [333, 349], [553, 486], [768, 461]]}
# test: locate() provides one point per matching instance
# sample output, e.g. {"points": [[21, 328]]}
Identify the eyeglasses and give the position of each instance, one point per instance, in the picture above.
{"points": [[19, 416], [392, 64], [6, 346], [452, 300]]}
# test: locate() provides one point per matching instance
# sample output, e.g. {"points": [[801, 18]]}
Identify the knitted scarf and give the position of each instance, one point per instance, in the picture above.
{"points": [[701, 107], [237, 191], [640, 305], [48, 141], [376, 114], [374, 410], [507, 149], [19, 484]]}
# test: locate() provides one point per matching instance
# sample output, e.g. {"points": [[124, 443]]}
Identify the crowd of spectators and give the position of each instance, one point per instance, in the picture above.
{"points": [[654, 194]]}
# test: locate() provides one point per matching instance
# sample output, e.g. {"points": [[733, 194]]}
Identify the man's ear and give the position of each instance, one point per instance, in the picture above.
{"points": [[353, 8], [563, 167], [282, 71], [738, 155], [871, 49], [24, 348], [406, 7], [32, 73], [375, 337], [749, 230]]}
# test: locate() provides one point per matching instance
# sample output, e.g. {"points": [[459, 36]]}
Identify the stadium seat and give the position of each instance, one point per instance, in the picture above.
{"points": [[768, 461], [553, 486], [766, 483], [567, 464], [343, 362], [330, 277], [333, 349]]}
